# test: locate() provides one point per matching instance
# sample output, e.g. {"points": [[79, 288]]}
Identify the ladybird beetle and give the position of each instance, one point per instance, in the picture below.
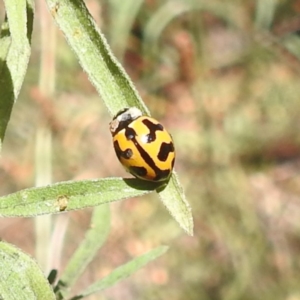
{"points": [[142, 144]]}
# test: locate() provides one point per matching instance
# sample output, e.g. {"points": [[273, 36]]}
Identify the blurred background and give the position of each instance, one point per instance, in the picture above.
{"points": [[223, 77]]}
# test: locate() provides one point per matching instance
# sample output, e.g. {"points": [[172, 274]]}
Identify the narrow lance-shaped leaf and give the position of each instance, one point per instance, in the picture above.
{"points": [[95, 56], [14, 54], [174, 199], [94, 239], [65, 196], [123, 271]]}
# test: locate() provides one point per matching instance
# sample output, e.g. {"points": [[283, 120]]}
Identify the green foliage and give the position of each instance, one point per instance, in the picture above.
{"points": [[21, 277], [14, 55], [117, 92], [224, 77]]}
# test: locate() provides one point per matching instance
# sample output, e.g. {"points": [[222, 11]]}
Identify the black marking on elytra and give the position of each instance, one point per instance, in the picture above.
{"points": [[130, 133], [160, 174], [151, 136], [140, 171], [165, 150], [127, 153]]}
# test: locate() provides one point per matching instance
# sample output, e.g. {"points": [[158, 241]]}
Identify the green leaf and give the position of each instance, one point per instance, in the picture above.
{"points": [[174, 199], [14, 54], [95, 56], [94, 239], [21, 277], [123, 271], [66, 196]]}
